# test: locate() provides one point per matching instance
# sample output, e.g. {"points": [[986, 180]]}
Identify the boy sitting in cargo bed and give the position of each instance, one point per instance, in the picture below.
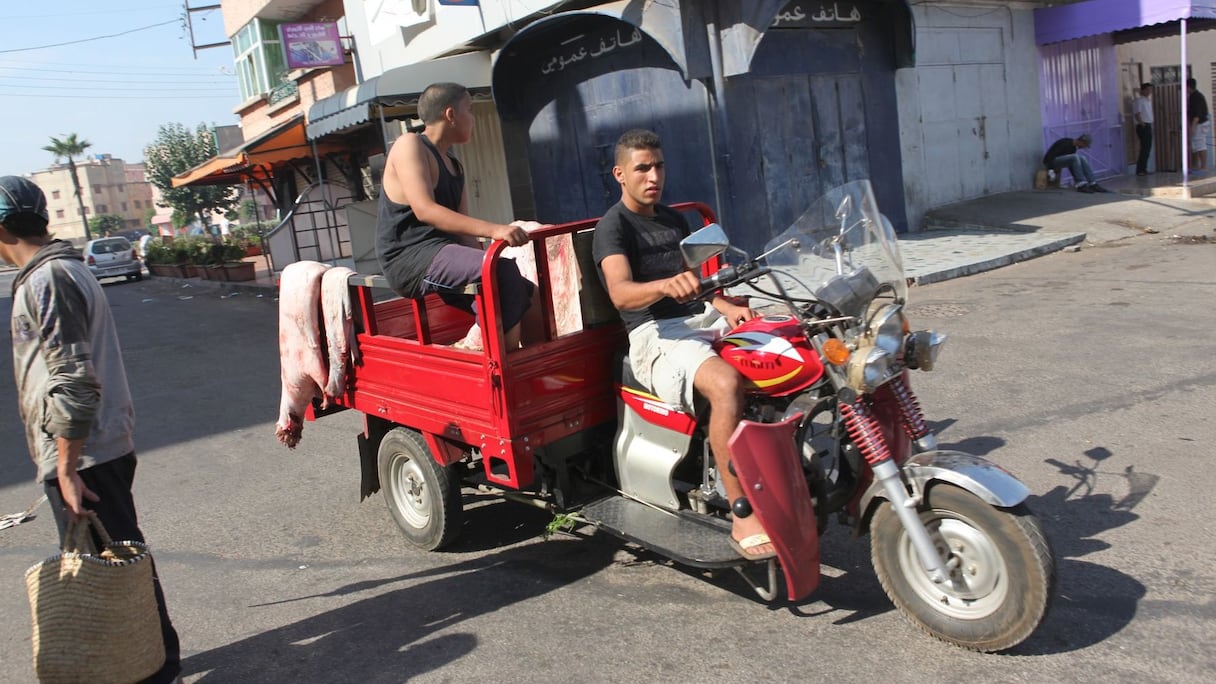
{"points": [[425, 239]]}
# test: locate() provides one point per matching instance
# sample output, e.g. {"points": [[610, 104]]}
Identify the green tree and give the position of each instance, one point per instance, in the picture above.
{"points": [[106, 223], [176, 150], [70, 147]]}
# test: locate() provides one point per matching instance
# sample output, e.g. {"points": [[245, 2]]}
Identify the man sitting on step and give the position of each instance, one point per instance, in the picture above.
{"points": [[1065, 153]]}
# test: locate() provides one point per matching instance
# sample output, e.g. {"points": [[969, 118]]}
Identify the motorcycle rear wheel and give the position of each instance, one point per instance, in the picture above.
{"points": [[1002, 574]]}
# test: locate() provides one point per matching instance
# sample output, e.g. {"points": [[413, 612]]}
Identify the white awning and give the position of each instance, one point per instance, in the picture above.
{"points": [[398, 86]]}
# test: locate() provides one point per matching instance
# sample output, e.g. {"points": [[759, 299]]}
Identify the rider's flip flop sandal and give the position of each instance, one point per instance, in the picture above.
{"points": [[743, 547]]}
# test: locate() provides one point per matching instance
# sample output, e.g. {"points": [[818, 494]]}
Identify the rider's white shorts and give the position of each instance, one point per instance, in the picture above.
{"points": [[666, 354]]}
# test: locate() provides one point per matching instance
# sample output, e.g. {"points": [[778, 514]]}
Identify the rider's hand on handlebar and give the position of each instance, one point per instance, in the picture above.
{"points": [[682, 287]]}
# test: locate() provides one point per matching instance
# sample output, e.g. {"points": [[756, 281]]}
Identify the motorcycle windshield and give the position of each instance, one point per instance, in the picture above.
{"points": [[841, 251]]}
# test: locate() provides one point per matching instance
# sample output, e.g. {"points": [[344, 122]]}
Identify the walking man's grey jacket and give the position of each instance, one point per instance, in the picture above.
{"points": [[70, 377]]}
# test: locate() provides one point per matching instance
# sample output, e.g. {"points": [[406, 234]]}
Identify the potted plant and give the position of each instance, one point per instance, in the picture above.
{"points": [[248, 239], [235, 269], [186, 255], [212, 255], [161, 261]]}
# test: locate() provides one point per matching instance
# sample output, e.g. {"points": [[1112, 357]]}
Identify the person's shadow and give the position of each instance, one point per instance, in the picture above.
{"points": [[391, 636]]}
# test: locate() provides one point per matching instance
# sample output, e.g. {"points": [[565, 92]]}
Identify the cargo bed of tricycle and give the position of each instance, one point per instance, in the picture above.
{"points": [[502, 405]]}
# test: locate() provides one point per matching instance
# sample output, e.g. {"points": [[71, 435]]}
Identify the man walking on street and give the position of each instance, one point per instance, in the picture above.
{"points": [[72, 391], [1200, 126], [1142, 112]]}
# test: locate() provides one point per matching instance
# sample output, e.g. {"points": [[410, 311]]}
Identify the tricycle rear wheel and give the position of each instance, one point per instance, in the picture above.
{"points": [[422, 496]]}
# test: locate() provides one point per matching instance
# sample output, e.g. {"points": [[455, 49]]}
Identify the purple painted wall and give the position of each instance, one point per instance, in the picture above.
{"points": [[1079, 93], [1080, 19]]}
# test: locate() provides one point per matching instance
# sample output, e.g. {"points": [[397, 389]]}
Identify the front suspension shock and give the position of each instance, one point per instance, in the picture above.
{"points": [[913, 418], [866, 433]]}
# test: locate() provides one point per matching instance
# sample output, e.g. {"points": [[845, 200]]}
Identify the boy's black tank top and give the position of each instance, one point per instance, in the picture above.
{"points": [[405, 246]]}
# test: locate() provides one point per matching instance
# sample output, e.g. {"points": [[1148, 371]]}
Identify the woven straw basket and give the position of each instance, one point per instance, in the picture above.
{"points": [[95, 616]]}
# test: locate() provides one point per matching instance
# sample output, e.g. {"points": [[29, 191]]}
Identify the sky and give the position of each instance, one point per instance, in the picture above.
{"points": [[114, 92]]}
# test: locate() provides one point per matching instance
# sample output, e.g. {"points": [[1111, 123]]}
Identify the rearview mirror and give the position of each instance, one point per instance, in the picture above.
{"points": [[704, 245]]}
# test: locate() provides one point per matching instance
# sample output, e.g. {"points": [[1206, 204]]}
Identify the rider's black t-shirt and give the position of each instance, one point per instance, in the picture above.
{"points": [[652, 246]]}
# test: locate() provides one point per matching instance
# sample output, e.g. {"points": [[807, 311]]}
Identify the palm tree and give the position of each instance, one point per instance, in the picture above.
{"points": [[69, 148]]}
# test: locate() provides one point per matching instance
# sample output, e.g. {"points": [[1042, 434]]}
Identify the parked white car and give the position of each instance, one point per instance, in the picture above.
{"points": [[113, 257]]}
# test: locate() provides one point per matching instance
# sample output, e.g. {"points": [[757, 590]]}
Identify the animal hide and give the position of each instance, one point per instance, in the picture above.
{"points": [[339, 328], [303, 372]]}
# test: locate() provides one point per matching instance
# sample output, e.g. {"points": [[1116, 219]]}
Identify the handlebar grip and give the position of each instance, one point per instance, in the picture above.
{"points": [[714, 282]]}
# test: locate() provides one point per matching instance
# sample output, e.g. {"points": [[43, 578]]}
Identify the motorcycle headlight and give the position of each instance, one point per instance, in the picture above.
{"points": [[869, 370], [888, 327], [922, 348]]}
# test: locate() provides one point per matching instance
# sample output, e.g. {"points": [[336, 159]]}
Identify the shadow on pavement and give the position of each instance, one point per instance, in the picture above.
{"points": [[1092, 602], [404, 632]]}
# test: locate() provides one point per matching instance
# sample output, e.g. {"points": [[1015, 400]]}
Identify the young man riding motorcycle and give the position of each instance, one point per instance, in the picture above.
{"points": [[637, 251]]}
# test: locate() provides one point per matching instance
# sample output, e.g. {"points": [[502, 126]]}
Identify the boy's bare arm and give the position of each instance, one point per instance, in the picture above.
{"points": [[409, 178]]}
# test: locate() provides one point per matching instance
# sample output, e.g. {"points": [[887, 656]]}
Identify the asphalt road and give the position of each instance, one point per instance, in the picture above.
{"points": [[1091, 375]]}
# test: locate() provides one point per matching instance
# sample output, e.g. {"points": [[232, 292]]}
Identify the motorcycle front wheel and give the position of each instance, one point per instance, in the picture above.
{"points": [[1002, 574]]}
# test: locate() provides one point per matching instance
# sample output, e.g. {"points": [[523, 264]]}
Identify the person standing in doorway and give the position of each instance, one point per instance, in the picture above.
{"points": [[1199, 127], [1142, 112], [72, 392]]}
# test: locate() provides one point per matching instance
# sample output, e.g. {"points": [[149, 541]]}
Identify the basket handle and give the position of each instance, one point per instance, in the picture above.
{"points": [[78, 540]]}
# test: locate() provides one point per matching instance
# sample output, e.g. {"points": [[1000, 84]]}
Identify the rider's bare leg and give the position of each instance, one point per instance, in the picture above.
{"points": [[723, 387]]}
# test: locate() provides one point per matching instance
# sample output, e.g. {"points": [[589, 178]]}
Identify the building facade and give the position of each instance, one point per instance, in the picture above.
{"points": [[763, 105], [107, 186]]}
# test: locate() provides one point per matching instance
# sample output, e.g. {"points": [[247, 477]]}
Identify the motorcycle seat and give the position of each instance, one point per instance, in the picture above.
{"points": [[623, 374]]}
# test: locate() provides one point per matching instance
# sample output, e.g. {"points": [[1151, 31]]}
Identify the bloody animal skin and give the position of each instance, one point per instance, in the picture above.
{"points": [[303, 368], [339, 327]]}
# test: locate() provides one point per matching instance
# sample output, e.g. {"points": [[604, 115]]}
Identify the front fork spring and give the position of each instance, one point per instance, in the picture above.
{"points": [[909, 409], [865, 431]]}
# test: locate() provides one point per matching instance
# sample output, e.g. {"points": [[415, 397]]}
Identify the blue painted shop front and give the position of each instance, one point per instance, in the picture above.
{"points": [[815, 109]]}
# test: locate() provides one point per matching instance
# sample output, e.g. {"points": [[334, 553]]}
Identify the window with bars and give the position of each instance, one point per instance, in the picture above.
{"points": [[1167, 75], [258, 57]]}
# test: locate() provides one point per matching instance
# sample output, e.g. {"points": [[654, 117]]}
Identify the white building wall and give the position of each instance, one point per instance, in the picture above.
{"points": [[391, 34], [969, 111]]}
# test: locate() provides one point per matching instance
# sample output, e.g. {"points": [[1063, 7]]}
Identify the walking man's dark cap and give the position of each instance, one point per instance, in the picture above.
{"points": [[20, 196]]}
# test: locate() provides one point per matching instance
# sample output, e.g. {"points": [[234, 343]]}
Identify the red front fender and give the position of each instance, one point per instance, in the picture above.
{"points": [[770, 471]]}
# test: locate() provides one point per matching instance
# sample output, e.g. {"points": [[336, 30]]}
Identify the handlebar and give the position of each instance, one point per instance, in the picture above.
{"points": [[729, 276]]}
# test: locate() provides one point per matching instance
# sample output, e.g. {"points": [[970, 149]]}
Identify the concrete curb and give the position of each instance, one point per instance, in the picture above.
{"points": [[934, 276], [223, 287]]}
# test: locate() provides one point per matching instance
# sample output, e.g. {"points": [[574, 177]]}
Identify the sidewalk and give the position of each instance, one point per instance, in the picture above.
{"points": [[994, 231]]}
